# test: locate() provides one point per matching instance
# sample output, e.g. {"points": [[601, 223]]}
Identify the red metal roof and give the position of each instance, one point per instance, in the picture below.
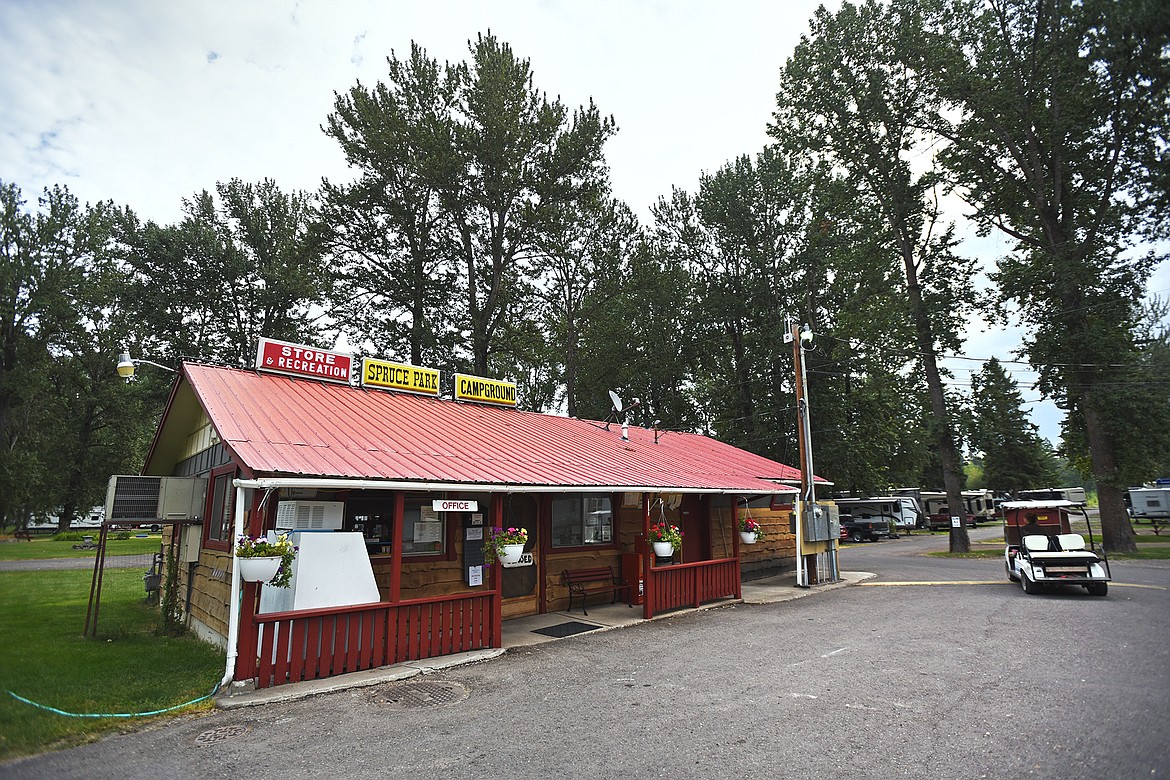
{"points": [[281, 426]]}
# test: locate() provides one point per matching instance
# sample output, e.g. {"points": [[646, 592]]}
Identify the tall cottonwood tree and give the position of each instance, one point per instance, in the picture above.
{"points": [[741, 238], [1014, 456], [846, 94], [64, 428], [394, 242], [1055, 113], [642, 343], [100, 424], [244, 263], [491, 160], [579, 263]]}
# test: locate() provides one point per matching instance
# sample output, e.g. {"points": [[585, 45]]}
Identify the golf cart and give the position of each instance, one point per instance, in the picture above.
{"points": [[1054, 555]]}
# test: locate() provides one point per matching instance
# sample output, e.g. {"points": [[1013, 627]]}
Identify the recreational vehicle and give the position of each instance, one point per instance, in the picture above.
{"points": [[1150, 503], [978, 505], [900, 512]]}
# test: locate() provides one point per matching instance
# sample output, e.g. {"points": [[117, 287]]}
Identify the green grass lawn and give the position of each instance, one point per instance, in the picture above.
{"points": [[46, 547], [128, 668]]}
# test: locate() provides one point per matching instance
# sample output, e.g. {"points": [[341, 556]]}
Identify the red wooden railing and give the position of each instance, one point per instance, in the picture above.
{"points": [[692, 584], [313, 643]]}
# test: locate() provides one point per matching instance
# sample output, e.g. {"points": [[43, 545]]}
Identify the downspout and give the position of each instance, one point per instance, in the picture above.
{"points": [[234, 593]]}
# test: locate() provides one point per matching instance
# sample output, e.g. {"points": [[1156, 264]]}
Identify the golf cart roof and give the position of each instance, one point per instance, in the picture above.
{"points": [[1054, 504]]}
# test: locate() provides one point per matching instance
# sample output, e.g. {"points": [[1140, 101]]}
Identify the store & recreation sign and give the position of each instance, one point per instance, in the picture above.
{"points": [[300, 360]]}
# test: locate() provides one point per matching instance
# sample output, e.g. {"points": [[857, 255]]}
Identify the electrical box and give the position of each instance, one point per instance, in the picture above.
{"points": [[821, 526], [309, 515], [190, 539], [136, 498]]}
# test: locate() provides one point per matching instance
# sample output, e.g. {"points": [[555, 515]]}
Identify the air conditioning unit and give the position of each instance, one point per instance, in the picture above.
{"points": [[309, 515], [135, 498]]}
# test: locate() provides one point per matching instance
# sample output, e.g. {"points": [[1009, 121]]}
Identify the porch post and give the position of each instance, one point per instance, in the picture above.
{"points": [[396, 547], [643, 545], [497, 573], [735, 546], [248, 639]]}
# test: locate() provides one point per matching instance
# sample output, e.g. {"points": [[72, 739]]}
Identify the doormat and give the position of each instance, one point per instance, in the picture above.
{"points": [[566, 629]]}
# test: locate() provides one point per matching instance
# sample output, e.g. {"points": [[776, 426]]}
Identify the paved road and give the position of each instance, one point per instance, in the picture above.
{"points": [[880, 680], [112, 562]]}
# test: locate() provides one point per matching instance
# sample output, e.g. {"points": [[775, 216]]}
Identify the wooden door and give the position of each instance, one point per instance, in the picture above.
{"points": [[696, 527], [520, 584]]}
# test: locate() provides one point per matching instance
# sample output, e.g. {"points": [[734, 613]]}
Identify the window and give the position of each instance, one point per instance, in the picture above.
{"points": [[424, 531], [219, 517], [581, 520]]}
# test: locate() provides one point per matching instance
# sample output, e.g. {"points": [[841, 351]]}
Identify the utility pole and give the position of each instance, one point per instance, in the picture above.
{"points": [[808, 497]]}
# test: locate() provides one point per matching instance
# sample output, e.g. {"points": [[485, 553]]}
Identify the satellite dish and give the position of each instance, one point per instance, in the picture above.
{"points": [[617, 401]]}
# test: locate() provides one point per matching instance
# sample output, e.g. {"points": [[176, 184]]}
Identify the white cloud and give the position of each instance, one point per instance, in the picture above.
{"points": [[147, 103]]}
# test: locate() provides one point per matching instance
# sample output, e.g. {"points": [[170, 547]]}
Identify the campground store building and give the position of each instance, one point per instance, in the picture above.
{"points": [[389, 490]]}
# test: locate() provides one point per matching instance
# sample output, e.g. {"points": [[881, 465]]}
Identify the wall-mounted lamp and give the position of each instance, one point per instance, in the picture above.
{"points": [[127, 366]]}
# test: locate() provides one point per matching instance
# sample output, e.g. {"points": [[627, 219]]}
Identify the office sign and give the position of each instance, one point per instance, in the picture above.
{"points": [[484, 391], [400, 376], [454, 505], [300, 360]]}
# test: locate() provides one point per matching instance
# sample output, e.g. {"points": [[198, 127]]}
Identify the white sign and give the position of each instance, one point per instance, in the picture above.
{"points": [[474, 534], [428, 532], [475, 575], [955, 522], [454, 505], [525, 560]]}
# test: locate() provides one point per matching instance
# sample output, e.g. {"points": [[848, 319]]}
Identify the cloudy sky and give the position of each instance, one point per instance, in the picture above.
{"points": [[146, 102]]}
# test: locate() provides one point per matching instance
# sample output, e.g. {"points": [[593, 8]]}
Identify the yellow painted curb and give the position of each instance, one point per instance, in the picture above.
{"points": [[992, 582]]}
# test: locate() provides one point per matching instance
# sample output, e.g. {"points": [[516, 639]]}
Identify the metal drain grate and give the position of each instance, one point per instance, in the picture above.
{"points": [[222, 734], [428, 693]]}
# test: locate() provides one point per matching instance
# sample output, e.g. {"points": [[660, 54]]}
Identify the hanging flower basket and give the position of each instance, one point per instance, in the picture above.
{"points": [[663, 549], [259, 569], [750, 531], [665, 538], [504, 544], [261, 560]]}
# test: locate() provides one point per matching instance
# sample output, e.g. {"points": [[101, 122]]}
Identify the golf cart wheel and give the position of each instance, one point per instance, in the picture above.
{"points": [[1097, 588], [857, 537], [1029, 587]]}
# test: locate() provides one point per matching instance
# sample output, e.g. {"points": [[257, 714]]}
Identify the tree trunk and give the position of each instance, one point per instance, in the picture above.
{"points": [[571, 367], [1116, 531], [948, 453], [744, 391]]}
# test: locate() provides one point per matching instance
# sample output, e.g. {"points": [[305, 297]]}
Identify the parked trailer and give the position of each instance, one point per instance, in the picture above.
{"points": [[978, 505], [899, 512], [1149, 503]]}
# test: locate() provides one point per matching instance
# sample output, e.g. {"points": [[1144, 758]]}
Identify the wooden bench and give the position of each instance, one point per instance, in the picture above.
{"points": [[589, 582], [22, 533]]}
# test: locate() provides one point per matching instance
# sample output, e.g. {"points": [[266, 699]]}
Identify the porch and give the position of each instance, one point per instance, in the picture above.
{"points": [[522, 632], [278, 648]]}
